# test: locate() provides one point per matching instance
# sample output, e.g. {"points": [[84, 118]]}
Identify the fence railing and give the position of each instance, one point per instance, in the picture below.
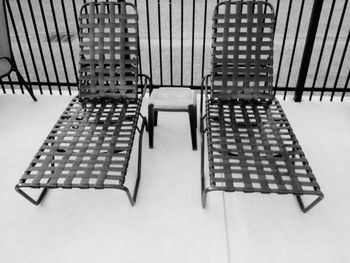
{"points": [[175, 40]]}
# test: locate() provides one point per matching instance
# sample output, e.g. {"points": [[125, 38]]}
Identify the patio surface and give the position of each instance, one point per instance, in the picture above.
{"points": [[167, 223]]}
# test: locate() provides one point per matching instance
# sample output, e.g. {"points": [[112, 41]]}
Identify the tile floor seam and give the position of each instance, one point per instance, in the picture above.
{"points": [[226, 229]]}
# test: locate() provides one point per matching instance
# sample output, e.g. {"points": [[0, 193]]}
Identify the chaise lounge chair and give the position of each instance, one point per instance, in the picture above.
{"points": [[91, 143], [251, 145]]}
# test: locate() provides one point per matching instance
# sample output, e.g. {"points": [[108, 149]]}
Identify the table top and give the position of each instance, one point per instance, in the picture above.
{"points": [[172, 97]]}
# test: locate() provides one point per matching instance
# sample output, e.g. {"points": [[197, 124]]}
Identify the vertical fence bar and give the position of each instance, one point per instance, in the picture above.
{"points": [[149, 41], [340, 65], [59, 45], [9, 77], [274, 32], [309, 45], [39, 45], [171, 40], [193, 27], [19, 47], [182, 41], [49, 42], [277, 10], [12, 87], [284, 42], [204, 35], [29, 44], [294, 47], [75, 16], [3, 87], [139, 48], [160, 44], [76, 25], [333, 49], [322, 48], [70, 45], [345, 89]]}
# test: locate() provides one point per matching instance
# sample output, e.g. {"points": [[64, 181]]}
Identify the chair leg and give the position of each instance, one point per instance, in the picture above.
{"points": [[21, 80], [203, 192], [195, 116], [204, 199], [155, 122], [139, 162], [127, 191], [30, 199], [307, 208], [150, 124], [144, 119], [193, 125], [133, 198]]}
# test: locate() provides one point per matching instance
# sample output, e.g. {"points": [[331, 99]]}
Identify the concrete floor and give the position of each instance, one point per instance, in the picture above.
{"points": [[167, 223]]}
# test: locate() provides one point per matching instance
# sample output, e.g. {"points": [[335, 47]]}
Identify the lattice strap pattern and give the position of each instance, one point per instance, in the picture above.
{"points": [[242, 58], [89, 147], [252, 148], [109, 50]]}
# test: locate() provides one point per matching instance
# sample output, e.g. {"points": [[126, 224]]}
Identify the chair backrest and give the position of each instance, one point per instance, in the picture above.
{"points": [[109, 50], [242, 50], [5, 45]]}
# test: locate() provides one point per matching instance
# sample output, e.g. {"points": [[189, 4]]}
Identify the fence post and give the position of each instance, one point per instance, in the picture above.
{"points": [[309, 45]]}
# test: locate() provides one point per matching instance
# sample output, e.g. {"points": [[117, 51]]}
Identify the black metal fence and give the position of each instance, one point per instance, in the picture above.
{"points": [[175, 38]]}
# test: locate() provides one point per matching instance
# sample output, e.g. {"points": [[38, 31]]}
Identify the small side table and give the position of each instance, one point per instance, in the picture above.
{"points": [[173, 100]]}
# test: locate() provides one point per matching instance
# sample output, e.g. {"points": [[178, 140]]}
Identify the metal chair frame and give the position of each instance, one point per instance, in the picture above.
{"points": [[91, 143], [251, 145]]}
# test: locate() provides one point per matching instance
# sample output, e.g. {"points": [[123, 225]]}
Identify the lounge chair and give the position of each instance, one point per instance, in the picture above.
{"points": [[7, 61], [251, 145], [91, 143]]}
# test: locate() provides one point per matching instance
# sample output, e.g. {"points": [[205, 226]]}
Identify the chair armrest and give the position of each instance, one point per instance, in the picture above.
{"points": [[146, 83], [204, 92], [7, 58], [5, 73]]}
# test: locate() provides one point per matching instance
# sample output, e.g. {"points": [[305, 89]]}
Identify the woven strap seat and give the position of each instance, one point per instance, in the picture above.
{"points": [[91, 143], [89, 147], [252, 148], [251, 145]]}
